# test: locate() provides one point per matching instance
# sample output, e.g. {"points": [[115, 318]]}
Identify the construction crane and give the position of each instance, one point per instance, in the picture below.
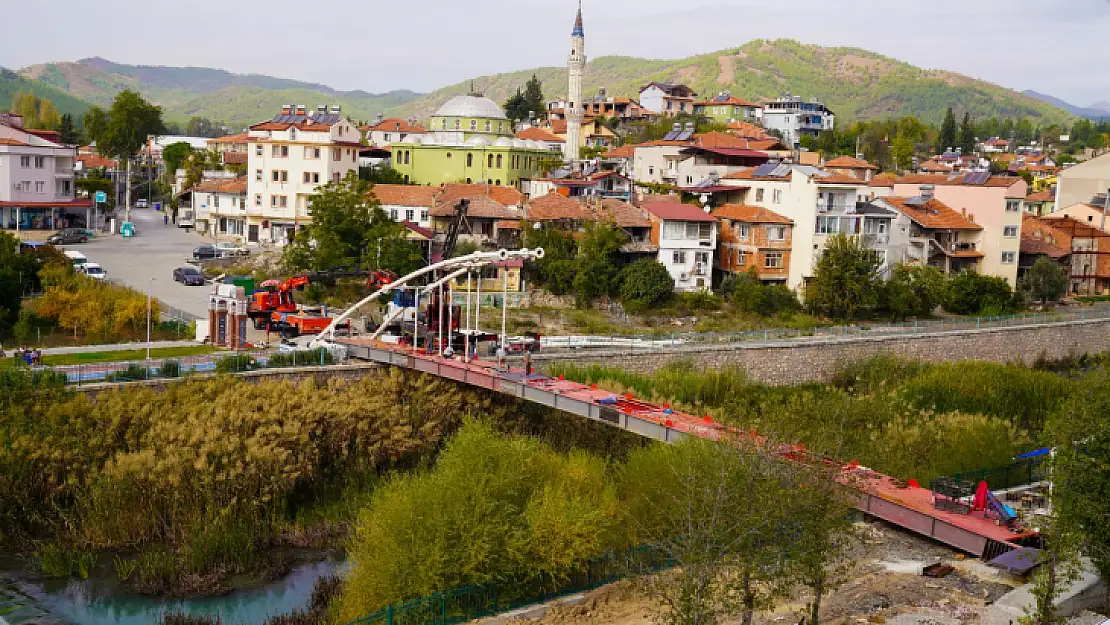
{"points": [[457, 223], [275, 308]]}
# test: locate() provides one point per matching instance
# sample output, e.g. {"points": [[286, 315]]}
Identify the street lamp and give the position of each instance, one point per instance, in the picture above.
{"points": [[149, 287]]}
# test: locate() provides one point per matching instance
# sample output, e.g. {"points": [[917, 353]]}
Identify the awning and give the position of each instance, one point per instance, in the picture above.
{"points": [[70, 204]]}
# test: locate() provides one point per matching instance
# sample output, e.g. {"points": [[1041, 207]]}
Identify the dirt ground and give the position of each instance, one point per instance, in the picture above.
{"points": [[885, 585]]}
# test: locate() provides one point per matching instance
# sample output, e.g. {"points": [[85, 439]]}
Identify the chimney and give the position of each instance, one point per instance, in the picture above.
{"points": [[286, 109], [301, 109], [927, 191]]}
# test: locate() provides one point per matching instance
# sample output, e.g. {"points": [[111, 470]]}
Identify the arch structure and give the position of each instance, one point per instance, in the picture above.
{"points": [[452, 266]]}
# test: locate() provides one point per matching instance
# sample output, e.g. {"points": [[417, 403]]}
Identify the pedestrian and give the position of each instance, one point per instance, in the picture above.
{"points": [[473, 352], [527, 364], [500, 357], [165, 220]]}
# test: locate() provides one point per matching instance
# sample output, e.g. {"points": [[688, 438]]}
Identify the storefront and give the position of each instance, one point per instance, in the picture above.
{"points": [[46, 216]]}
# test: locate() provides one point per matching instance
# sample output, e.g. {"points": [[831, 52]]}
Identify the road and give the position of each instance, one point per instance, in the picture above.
{"points": [[154, 253]]}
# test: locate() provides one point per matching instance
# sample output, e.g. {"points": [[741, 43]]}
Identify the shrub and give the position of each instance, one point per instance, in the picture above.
{"points": [[845, 282], [1046, 281], [971, 293], [130, 374], [170, 369], [913, 291], [644, 284], [236, 363], [55, 561], [301, 358]]}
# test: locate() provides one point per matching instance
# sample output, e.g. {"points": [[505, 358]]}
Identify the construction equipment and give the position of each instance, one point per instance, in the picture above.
{"points": [[456, 226]]}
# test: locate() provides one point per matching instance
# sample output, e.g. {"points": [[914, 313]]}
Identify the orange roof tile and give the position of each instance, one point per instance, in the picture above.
{"points": [[951, 181], [627, 151], [847, 162], [506, 196], [508, 224], [481, 207], [719, 140], [748, 174], [234, 158], [933, 166], [4, 141], [884, 180], [1038, 247], [237, 186], [554, 206], [731, 101], [1043, 196], [239, 138], [405, 195], [623, 214], [95, 161], [394, 124], [746, 130], [933, 214], [750, 214], [539, 134]]}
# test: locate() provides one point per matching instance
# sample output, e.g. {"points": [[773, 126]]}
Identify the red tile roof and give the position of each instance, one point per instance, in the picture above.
{"points": [[933, 214], [508, 224], [731, 101], [623, 214], [234, 158], [1043, 196], [847, 162], [506, 196], [883, 180], [237, 186], [627, 151], [49, 135], [718, 139], [838, 179], [750, 131], [239, 138], [951, 181], [5, 141], [554, 206], [94, 161], [405, 195], [1039, 247], [394, 124], [933, 166], [748, 174], [539, 134], [481, 207], [750, 214], [674, 211]]}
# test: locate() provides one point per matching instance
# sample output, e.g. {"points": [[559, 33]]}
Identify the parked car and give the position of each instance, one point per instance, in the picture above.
{"points": [[93, 271], [206, 251], [189, 276], [68, 236], [230, 249], [140, 204], [76, 258]]}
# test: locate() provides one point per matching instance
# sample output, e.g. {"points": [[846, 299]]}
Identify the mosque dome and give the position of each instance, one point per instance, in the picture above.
{"points": [[428, 139], [479, 142], [471, 106], [503, 142]]}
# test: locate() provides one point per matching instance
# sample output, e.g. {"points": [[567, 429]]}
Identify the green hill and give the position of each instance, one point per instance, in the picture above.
{"points": [[855, 84], [184, 92], [11, 83]]}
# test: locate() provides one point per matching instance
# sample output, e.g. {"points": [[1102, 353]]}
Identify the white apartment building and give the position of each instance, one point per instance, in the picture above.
{"points": [[795, 118], [219, 206], [288, 157], [393, 130], [821, 205], [409, 203], [657, 161], [37, 180], [687, 238]]}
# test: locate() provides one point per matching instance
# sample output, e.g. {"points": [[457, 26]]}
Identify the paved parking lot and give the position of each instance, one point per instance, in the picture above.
{"points": [[154, 253]]}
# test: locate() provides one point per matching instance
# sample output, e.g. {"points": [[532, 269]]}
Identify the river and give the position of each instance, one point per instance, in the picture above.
{"points": [[100, 601]]}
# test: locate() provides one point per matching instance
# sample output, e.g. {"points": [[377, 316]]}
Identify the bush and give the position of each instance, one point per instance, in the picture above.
{"points": [[170, 369], [1046, 281], [751, 295], [644, 284], [130, 374], [301, 358], [913, 292], [236, 363], [845, 282], [973, 294]]}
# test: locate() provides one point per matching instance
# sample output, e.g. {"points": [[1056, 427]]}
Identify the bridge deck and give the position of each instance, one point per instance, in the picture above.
{"points": [[881, 496]]}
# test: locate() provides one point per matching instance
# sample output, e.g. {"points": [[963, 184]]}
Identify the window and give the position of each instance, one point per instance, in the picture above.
{"points": [[1013, 206], [874, 226], [678, 258], [1010, 232], [458, 124], [500, 126], [311, 177], [776, 233], [279, 151], [258, 175], [741, 257], [279, 201], [24, 161], [258, 199], [742, 231], [26, 186], [489, 125], [499, 161], [1008, 258], [443, 124], [469, 160], [215, 201], [827, 225], [423, 214], [40, 187], [772, 260], [759, 195], [281, 176], [292, 134], [489, 161], [40, 162], [651, 170], [879, 256], [258, 150], [409, 214], [336, 154], [388, 137], [312, 153], [701, 257], [776, 196], [406, 157], [850, 225]]}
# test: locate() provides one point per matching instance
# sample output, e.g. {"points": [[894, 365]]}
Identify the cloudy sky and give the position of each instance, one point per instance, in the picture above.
{"points": [[1060, 47]]}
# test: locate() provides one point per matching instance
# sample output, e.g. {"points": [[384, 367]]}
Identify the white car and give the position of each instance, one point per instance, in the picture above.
{"points": [[226, 248], [140, 204], [76, 258], [94, 271]]}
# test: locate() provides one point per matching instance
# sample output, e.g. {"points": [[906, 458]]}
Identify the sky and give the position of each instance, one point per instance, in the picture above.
{"points": [[1059, 47]]}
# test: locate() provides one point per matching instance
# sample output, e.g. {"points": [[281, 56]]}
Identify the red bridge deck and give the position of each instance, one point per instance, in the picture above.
{"points": [[881, 496]]}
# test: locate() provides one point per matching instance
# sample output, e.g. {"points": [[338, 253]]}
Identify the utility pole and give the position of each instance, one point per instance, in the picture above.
{"points": [[1105, 208], [127, 192], [149, 286]]}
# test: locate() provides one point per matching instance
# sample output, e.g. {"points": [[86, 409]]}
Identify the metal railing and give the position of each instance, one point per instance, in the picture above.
{"points": [[460, 605], [676, 341], [1020, 473]]}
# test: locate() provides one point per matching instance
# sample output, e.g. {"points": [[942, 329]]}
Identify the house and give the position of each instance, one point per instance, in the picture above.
{"points": [[155, 144], [545, 137], [392, 130], [795, 118], [754, 238], [1089, 253], [820, 204], [994, 145], [687, 238], [1040, 203], [592, 135], [218, 205], [934, 166], [993, 202], [470, 139], [631, 220], [1040, 240], [725, 109], [1090, 214], [1082, 182], [609, 184], [288, 158], [488, 224], [602, 104], [746, 130], [931, 233], [657, 161], [555, 210], [37, 190], [667, 99], [232, 148], [407, 203], [854, 167]]}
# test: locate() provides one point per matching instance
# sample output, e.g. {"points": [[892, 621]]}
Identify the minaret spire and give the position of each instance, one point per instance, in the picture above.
{"points": [[576, 66]]}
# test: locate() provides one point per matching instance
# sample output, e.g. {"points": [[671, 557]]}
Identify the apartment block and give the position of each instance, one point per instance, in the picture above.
{"points": [[754, 238], [687, 239], [37, 180]]}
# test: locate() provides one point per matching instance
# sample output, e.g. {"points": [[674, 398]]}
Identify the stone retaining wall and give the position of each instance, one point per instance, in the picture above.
{"points": [[815, 360]]}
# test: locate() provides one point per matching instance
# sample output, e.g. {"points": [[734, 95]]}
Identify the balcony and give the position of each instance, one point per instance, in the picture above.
{"points": [[836, 207], [63, 172]]}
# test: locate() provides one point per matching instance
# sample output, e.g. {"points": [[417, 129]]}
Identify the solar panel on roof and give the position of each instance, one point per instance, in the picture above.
{"points": [[916, 201], [671, 135], [684, 135], [978, 177], [781, 170], [765, 169]]}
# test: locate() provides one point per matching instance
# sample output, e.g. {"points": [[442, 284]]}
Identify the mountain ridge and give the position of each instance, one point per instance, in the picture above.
{"points": [[1097, 110], [855, 83]]}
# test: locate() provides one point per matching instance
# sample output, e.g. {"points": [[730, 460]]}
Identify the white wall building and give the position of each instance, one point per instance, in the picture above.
{"points": [[288, 157], [668, 99], [796, 118], [37, 180], [218, 206], [409, 203], [1080, 183], [687, 238], [392, 130]]}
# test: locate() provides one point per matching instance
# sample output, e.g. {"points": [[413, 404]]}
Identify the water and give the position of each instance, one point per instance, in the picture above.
{"points": [[101, 602]]}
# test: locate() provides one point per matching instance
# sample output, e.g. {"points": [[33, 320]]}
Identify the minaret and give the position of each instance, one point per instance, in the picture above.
{"points": [[576, 65]]}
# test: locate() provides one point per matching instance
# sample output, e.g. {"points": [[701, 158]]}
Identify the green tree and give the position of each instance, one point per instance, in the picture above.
{"points": [[598, 262], [124, 128], [971, 293], [174, 156], [203, 127], [1046, 281], [516, 107], [902, 152], [381, 175], [947, 138], [67, 129], [557, 269], [846, 281], [533, 96], [644, 284], [348, 230], [967, 135], [913, 291], [808, 143]]}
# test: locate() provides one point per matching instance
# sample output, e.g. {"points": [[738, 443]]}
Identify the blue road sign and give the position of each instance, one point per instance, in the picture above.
{"points": [[101, 197]]}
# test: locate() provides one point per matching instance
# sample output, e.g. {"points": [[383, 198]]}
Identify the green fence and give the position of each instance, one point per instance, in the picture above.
{"points": [[460, 605], [1020, 473]]}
